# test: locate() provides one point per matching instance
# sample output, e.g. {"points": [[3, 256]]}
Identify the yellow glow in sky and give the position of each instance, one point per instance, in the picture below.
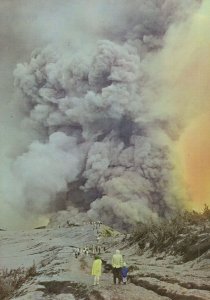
{"points": [[194, 149]]}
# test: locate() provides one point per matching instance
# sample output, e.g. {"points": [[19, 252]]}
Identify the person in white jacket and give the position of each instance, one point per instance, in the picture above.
{"points": [[117, 263]]}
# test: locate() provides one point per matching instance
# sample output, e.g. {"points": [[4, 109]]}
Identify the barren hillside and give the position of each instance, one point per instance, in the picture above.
{"points": [[58, 274]]}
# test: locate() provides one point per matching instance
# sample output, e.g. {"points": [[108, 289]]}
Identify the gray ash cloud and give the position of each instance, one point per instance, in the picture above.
{"points": [[89, 98]]}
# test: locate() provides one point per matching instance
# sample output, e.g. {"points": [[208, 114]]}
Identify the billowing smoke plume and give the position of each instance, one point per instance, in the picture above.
{"points": [[101, 137]]}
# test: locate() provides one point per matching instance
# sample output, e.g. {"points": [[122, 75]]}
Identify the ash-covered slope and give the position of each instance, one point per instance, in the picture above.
{"points": [[60, 275], [186, 234]]}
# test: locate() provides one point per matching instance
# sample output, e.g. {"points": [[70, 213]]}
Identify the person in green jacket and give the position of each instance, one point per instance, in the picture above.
{"points": [[96, 269], [117, 263]]}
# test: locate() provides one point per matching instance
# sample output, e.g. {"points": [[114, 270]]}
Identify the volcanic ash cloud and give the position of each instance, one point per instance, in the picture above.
{"points": [[105, 139], [95, 103]]}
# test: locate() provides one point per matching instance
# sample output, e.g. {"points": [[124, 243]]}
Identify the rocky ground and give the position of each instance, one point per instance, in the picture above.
{"points": [[62, 276]]}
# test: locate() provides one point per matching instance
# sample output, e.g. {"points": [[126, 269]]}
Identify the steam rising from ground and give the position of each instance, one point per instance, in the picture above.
{"points": [[99, 110]]}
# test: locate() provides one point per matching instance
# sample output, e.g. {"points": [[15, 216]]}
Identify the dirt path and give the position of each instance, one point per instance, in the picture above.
{"points": [[62, 276]]}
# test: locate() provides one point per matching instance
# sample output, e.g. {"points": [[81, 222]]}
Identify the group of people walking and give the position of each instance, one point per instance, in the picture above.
{"points": [[81, 251], [92, 250], [119, 269]]}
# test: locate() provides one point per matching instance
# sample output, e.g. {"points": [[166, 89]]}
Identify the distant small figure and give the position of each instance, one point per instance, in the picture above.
{"points": [[124, 273], [117, 263], [86, 251], [99, 223], [83, 251], [77, 252], [96, 269]]}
